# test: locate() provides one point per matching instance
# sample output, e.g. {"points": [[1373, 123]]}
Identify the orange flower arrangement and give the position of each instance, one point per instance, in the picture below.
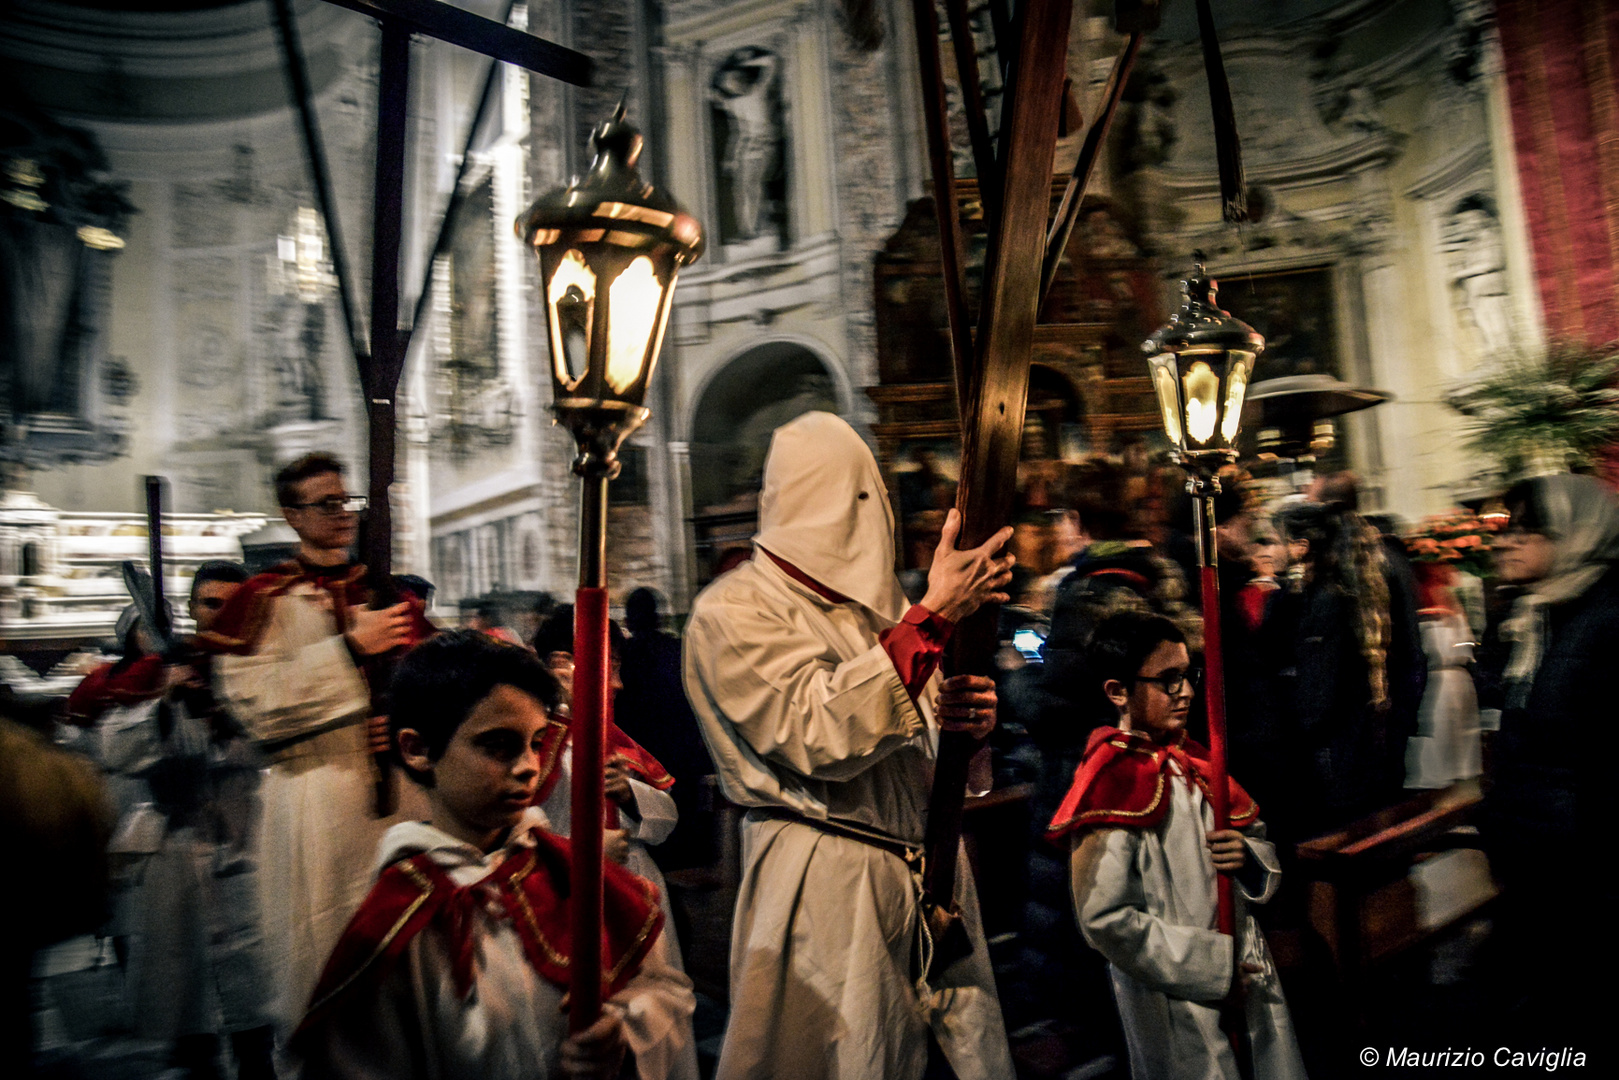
{"points": [[1460, 538]]}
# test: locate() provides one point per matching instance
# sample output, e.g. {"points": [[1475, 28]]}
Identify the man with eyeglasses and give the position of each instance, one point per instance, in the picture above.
{"points": [[293, 646]]}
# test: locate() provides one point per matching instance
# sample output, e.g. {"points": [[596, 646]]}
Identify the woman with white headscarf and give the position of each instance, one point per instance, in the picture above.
{"points": [[1549, 779], [818, 695]]}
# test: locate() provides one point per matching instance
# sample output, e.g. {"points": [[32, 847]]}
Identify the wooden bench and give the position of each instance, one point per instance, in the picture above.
{"points": [[1376, 889]]}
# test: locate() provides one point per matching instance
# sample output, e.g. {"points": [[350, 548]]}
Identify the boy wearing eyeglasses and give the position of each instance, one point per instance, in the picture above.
{"points": [[292, 647], [1143, 862]]}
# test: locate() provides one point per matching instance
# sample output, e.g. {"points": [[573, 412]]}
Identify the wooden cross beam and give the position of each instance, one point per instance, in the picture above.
{"points": [[992, 370], [381, 359], [992, 425]]}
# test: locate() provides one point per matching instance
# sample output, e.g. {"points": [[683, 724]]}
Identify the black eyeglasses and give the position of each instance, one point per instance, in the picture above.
{"points": [[1172, 681], [333, 505]]}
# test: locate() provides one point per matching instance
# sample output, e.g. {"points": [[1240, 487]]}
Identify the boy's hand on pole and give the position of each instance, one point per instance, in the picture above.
{"points": [[1228, 851], [596, 1053]]}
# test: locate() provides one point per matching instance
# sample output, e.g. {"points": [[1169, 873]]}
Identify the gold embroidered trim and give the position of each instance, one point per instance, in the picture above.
{"points": [[418, 879], [650, 892], [1157, 797], [515, 881]]}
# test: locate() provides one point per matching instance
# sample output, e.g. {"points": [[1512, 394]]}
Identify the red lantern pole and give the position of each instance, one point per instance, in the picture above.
{"points": [[590, 704], [1208, 561]]}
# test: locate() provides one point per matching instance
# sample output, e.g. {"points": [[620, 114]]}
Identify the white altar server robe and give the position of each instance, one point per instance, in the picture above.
{"points": [[1145, 899], [416, 1026], [302, 698]]}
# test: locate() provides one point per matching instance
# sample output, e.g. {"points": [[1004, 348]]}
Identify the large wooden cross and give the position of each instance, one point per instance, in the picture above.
{"points": [[381, 357], [992, 365]]}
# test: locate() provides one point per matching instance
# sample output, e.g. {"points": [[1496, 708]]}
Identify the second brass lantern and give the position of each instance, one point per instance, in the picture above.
{"points": [[1200, 363]]}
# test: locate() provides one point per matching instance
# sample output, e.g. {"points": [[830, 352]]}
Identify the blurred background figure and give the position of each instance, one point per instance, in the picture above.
{"points": [[1545, 823], [652, 710], [1359, 668]]}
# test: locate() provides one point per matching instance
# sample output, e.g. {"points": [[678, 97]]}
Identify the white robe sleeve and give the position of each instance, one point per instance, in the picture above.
{"points": [[656, 1009], [127, 738], [1181, 961], [1262, 875], [655, 814], [285, 689], [790, 701]]}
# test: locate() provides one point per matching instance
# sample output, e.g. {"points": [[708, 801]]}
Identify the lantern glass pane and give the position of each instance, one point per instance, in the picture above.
{"points": [[1202, 398], [1169, 401], [572, 295], [633, 303], [1236, 388]]}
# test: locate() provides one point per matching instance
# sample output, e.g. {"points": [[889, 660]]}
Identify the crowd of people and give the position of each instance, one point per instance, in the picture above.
{"points": [[270, 903]]}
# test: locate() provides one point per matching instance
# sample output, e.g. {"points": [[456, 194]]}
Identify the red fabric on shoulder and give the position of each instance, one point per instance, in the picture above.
{"points": [[620, 750], [530, 886], [241, 622], [625, 751], [1124, 777], [240, 626], [104, 688]]}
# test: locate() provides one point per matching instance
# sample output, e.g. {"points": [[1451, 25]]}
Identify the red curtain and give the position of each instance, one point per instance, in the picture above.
{"points": [[1562, 67]]}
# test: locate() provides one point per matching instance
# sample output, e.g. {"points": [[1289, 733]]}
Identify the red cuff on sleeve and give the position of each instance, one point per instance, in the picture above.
{"points": [[916, 646]]}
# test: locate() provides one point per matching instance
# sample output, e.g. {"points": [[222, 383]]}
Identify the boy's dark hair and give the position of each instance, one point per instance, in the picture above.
{"points": [[318, 463], [441, 680], [417, 586], [218, 570], [1121, 643], [555, 632]]}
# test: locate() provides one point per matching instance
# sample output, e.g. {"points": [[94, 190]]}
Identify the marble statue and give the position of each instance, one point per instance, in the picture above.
{"points": [[1478, 272], [743, 88]]}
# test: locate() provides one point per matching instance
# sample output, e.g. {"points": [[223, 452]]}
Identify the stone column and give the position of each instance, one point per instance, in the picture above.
{"points": [[682, 564]]}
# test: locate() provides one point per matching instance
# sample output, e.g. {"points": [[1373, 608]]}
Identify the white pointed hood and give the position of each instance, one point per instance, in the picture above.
{"points": [[825, 509]]}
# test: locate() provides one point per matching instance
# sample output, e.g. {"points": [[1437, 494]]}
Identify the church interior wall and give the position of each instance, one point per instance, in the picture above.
{"points": [[231, 371], [1376, 132], [1369, 130]]}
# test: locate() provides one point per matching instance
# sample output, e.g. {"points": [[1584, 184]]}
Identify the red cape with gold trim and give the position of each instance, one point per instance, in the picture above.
{"points": [[1123, 778], [108, 686], [530, 885], [241, 623], [621, 750]]}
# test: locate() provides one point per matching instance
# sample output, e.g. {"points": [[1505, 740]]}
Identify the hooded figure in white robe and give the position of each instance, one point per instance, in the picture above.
{"points": [[806, 715]]}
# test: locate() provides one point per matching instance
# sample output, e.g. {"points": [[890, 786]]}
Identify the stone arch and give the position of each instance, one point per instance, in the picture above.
{"points": [[742, 402]]}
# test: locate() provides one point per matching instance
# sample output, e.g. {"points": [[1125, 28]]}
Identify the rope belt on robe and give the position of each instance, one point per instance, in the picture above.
{"points": [[915, 646]]}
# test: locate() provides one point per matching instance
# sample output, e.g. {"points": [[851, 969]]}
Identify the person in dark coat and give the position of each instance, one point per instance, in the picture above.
{"points": [[652, 710], [1359, 670], [1544, 824]]}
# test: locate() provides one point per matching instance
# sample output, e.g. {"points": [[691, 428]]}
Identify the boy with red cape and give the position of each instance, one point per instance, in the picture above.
{"points": [[457, 962], [1143, 864]]}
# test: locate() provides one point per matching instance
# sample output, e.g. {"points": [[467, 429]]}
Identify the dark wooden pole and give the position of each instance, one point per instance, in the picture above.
{"points": [[972, 101], [379, 374], [320, 171], [380, 377], [993, 434], [952, 250]]}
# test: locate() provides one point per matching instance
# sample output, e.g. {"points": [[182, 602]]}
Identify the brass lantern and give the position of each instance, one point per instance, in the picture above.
{"points": [[610, 246], [1200, 362]]}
